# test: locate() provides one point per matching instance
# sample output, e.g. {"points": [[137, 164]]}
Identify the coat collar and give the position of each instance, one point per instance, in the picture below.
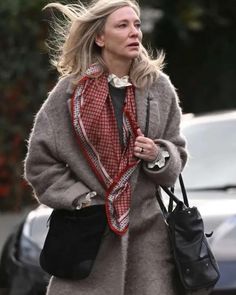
{"points": [[71, 86]]}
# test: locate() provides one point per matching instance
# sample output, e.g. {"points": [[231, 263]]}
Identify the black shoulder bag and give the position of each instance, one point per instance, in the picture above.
{"points": [[195, 263], [73, 241]]}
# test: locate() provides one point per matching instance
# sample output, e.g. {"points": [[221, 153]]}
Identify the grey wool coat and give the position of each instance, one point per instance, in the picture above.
{"points": [[140, 262]]}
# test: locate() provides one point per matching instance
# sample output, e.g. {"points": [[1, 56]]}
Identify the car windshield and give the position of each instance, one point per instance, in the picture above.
{"points": [[212, 149]]}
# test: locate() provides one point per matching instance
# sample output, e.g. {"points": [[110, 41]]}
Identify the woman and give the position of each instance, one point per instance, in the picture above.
{"points": [[89, 146]]}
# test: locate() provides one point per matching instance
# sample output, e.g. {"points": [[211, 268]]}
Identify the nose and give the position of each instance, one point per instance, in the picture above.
{"points": [[134, 31]]}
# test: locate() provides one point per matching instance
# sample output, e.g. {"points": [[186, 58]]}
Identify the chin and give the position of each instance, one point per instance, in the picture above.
{"points": [[132, 55]]}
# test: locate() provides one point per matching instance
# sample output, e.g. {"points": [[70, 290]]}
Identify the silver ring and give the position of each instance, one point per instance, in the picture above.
{"points": [[142, 150]]}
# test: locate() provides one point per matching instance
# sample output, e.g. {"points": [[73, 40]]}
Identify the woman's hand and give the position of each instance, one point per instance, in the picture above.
{"points": [[145, 148]]}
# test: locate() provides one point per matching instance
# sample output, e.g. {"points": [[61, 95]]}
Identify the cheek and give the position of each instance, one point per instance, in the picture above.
{"points": [[117, 40]]}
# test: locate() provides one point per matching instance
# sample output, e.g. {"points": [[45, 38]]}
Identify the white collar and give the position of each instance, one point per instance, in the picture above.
{"points": [[119, 82]]}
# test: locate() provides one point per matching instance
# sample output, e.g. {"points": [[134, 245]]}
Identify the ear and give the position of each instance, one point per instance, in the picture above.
{"points": [[99, 40]]}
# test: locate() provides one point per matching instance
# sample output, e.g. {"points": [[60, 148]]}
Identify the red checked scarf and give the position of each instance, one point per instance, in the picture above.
{"points": [[96, 130]]}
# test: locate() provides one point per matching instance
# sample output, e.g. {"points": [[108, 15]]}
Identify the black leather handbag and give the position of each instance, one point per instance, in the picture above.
{"points": [[195, 263], [73, 241]]}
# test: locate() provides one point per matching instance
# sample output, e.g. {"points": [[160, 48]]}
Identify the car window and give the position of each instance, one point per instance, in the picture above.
{"points": [[212, 149]]}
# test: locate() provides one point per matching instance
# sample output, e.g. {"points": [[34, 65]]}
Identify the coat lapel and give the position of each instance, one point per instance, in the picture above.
{"points": [[141, 98]]}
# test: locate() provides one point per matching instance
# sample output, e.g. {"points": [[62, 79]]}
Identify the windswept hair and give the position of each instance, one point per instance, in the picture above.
{"points": [[73, 47]]}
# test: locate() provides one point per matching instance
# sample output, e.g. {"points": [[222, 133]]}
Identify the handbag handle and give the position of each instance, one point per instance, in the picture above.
{"points": [[173, 198], [183, 191]]}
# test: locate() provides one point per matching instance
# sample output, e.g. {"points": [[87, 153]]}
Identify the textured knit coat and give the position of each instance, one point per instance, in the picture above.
{"points": [[139, 262]]}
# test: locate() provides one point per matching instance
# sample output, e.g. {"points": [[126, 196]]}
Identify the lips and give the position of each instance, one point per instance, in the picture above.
{"points": [[133, 44]]}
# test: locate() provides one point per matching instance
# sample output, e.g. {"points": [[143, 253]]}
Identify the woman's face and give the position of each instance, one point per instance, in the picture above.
{"points": [[122, 35]]}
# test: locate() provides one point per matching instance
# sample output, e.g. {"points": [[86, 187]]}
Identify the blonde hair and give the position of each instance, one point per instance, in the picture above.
{"points": [[73, 46]]}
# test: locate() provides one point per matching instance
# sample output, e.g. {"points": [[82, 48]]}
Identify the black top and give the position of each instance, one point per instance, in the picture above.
{"points": [[118, 101]]}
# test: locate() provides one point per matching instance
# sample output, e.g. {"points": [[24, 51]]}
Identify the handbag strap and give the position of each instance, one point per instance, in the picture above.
{"points": [[169, 192], [183, 190], [161, 204]]}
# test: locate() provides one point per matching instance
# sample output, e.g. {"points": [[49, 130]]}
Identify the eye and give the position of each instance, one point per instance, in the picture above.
{"points": [[138, 25], [122, 25]]}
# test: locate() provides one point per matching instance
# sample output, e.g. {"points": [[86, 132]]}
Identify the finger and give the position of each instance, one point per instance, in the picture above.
{"points": [[141, 152], [139, 155], [139, 143], [139, 132], [138, 149], [146, 152], [143, 140]]}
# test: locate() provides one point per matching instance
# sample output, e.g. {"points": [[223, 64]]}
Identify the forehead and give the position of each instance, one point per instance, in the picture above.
{"points": [[123, 13]]}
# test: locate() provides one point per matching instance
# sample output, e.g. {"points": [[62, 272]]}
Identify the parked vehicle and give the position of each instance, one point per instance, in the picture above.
{"points": [[20, 273], [210, 179]]}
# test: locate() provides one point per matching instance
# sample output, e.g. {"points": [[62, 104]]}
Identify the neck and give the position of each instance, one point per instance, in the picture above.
{"points": [[118, 67]]}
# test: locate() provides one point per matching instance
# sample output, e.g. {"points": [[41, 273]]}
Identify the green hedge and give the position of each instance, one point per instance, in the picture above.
{"points": [[26, 77]]}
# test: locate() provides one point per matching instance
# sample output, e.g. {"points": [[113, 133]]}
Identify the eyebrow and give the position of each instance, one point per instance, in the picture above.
{"points": [[126, 20]]}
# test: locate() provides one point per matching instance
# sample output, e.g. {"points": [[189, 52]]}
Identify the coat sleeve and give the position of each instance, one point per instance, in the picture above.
{"points": [[174, 143], [52, 180]]}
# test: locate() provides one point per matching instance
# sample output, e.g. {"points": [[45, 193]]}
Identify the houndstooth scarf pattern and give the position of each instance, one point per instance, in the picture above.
{"points": [[97, 133]]}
